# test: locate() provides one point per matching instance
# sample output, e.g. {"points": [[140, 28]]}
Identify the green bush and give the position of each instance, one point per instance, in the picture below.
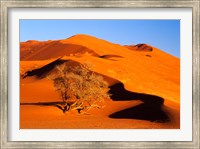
{"points": [[80, 88]]}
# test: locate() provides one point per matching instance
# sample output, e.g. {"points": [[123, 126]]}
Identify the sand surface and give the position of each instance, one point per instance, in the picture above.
{"points": [[144, 81]]}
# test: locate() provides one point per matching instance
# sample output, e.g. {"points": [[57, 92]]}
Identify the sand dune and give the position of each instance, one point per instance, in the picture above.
{"points": [[144, 82], [140, 47]]}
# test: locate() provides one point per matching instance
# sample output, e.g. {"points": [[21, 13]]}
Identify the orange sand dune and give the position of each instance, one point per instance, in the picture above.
{"points": [[145, 85], [139, 47]]}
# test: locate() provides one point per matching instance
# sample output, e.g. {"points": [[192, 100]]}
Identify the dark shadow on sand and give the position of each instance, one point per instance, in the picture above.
{"points": [[55, 104], [110, 56], [45, 70], [150, 109], [40, 72]]}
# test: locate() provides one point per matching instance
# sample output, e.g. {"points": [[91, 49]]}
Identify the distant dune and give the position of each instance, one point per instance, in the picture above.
{"points": [[140, 47], [144, 82]]}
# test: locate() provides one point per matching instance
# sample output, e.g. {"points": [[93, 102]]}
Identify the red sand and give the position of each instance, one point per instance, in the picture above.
{"points": [[140, 71]]}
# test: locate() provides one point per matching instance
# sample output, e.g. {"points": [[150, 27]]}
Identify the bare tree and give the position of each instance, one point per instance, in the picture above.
{"points": [[80, 88]]}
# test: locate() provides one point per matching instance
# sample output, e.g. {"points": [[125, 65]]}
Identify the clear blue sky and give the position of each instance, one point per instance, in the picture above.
{"points": [[163, 34]]}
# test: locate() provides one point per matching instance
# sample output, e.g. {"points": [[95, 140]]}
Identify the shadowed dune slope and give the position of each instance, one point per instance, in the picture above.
{"points": [[140, 47], [48, 50], [48, 69], [150, 109]]}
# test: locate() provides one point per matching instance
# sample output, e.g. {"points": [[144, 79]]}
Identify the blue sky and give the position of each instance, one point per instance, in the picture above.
{"points": [[163, 34]]}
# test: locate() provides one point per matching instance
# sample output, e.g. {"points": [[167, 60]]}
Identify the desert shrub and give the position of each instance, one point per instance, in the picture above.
{"points": [[80, 88]]}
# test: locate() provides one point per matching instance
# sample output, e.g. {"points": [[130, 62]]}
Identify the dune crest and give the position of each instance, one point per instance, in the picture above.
{"points": [[140, 47]]}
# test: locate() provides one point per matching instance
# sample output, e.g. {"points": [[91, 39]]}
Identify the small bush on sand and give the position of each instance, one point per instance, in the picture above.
{"points": [[79, 88]]}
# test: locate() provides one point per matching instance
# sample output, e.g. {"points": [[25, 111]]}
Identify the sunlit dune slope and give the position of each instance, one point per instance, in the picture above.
{"points": [[153, 72]]}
